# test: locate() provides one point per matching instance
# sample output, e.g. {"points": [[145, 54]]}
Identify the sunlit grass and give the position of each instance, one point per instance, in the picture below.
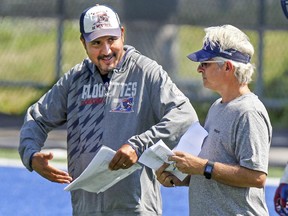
{"points": [[15, 101], [29, 54]]}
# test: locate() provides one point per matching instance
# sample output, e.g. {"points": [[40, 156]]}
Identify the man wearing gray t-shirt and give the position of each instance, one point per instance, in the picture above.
{"points": [[229, 174]]}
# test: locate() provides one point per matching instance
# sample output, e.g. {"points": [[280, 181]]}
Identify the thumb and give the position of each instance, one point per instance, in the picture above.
{"points": [[48, 156], [179, 153]]}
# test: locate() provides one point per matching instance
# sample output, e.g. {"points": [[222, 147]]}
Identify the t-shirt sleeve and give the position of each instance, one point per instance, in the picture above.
{"points": [[253, 140]]}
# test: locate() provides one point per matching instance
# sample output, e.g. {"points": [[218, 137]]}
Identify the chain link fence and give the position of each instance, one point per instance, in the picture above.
{"points": [[39, 41]]}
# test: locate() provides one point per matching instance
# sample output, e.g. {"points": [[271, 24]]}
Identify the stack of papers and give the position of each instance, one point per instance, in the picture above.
{"points": [[156, 155], [97, 177]]}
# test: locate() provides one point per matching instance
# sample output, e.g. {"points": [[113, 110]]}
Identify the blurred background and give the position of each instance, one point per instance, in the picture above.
{"points": [[39, 41]]}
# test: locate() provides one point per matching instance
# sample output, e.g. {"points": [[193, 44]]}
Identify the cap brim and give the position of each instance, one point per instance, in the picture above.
{"points": [[101, 33], [201, 55]]}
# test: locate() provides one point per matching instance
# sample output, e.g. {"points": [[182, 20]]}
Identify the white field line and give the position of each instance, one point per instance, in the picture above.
{"points": [[17, 163], [58, 154]]}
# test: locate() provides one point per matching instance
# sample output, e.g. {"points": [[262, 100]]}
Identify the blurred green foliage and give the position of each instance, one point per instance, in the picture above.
{"points": [[28, 54]]}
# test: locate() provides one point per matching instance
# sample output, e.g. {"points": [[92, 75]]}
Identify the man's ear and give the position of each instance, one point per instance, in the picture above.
{"points": [[229, 66], [123, 33], [83, 42]]}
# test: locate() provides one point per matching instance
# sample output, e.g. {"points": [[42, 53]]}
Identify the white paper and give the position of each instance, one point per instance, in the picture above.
{"points": [[190, 142], [97, 177], [156, 155]]}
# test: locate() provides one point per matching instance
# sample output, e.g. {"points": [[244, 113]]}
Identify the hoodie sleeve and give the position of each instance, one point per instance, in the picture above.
{"points": [[47, 113], [172, 108]]}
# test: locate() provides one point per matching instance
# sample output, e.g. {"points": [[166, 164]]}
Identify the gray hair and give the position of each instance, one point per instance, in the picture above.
{"points": [[227, 37]]}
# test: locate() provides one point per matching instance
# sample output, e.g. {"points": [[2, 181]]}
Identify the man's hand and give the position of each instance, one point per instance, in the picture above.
{"points": [[167, 179], [124, 158], [40, 163], [188, 163], [281, 199]]}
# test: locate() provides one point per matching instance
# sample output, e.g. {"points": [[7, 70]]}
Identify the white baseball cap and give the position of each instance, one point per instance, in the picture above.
{"points": [[98, 21]]}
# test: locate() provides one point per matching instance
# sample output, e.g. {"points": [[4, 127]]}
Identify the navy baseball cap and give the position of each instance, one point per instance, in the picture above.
{"points": [[210, 51], [98, 21]]}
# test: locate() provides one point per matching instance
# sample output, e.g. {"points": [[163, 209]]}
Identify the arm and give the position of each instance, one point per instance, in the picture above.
{"points": [[236, 176], [167, 107], [250, 145], [170, 108], [170, 128], [46, 114], [281, 194]]}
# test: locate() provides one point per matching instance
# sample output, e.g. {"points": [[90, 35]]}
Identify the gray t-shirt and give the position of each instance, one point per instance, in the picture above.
{"points": [[239, 133]]}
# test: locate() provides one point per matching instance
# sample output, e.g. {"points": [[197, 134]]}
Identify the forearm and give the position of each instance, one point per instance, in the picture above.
{"points": [[32, 139]]}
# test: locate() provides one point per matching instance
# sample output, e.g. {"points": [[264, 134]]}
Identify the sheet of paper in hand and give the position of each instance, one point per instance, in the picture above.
{"points": [[155, 156], [97, 177], [190, 142]]}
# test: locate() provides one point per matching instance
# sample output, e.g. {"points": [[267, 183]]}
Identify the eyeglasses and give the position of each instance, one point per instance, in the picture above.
{"points": [[204, 64]]}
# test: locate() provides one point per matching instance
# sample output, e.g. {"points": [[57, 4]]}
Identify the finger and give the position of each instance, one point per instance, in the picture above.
{"points": [[174, 158], [61, 178], [276, 202], [48, 156], [166, 179], [161, 176], [122, 160], [59, 172], [113, 165], [120, 164], [161, 169], [55, 175], [126, 165], [179, 153], [169, 181], [172, 183]]}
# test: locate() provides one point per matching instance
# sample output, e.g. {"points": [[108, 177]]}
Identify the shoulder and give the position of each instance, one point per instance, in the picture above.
{"points": [[253, 110], [85, 66], [247, 103], [142, 66], [252, 104], [79, 70], [142, 61]]}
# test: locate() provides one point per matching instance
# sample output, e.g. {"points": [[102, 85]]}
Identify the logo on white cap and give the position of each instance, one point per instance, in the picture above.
{"points": [[99, 21]]}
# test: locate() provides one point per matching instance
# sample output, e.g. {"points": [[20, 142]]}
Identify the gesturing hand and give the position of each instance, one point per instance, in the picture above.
{"points": [[40, 163]]}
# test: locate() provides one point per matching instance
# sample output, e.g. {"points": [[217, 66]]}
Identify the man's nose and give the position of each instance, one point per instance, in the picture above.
{"points": [[106, 49], [199, 69]]}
